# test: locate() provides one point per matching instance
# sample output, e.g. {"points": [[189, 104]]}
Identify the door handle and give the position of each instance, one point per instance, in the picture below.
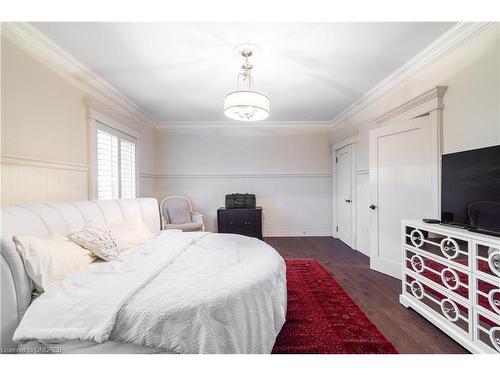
{"points": [[373, 206], [348, 200]]}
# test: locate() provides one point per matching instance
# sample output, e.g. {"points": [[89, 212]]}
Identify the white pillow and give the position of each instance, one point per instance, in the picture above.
{"points": [[129, 235], [51, 259], [99, 240]]}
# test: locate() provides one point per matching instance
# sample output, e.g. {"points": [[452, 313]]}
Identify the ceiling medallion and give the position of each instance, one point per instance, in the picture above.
{"points": [[246, 104]]}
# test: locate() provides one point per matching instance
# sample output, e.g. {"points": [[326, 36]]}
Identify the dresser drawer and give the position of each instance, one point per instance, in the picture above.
{"points": [[453, 249], [487, 295], [454, 279], [445, 307], [487, 260], [487, 332]]}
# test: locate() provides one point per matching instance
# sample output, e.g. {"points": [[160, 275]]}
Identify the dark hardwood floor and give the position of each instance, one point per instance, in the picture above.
{"points": [[376, 294]]}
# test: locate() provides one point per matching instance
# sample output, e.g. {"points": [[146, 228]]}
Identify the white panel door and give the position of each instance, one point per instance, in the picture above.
{"points": [[402, 186], [343, 194]]}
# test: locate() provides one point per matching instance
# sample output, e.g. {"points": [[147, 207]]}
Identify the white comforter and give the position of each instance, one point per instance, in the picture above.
{"points": [[185, 293]]}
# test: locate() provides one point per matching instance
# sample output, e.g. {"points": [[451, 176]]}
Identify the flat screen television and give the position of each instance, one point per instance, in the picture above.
{"points": [[470, 189]]}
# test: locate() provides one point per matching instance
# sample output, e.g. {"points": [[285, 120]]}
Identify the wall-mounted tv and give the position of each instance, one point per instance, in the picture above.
{"points": [[470, 189]]}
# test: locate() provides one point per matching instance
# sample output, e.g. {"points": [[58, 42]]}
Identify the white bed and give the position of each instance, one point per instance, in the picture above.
{"points": [[179, 293]]}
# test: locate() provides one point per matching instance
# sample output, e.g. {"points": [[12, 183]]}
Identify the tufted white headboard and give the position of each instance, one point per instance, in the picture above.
{"points": [[54, 218]]}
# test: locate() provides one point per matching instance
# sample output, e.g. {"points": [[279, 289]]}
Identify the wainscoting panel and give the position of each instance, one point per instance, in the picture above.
{"points": [[147, 185], [362, 211], [294, 204], [28, 181]]}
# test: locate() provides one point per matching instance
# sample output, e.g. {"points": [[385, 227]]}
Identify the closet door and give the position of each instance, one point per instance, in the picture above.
{"points": [[402, 186], [343, 195]]}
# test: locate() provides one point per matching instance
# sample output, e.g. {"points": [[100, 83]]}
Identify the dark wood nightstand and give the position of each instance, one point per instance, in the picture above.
{"points": [[245, 221]]}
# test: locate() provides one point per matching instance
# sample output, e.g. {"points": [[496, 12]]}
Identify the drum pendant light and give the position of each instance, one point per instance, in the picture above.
{"points": [[246, 104]]}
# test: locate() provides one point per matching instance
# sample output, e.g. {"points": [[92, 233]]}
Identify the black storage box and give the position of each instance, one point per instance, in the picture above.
{"points": [[240, 200]]}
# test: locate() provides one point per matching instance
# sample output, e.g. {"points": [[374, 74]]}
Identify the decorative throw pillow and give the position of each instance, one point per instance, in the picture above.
{"points": [[99, 240], [51, 259]]}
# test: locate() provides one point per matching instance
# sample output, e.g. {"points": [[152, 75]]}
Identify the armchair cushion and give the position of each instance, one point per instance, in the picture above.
{"points": [[178, 211]]}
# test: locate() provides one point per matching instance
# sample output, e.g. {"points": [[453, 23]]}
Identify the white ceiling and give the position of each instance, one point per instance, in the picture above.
{"points": [[181, 72]]}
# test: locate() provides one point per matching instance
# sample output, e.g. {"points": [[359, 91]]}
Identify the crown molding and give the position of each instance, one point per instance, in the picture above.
{"points": [[446, 43], [317, 125], [46, 51]]}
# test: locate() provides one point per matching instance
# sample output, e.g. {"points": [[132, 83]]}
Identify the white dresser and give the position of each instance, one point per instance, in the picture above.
{"points": [[452, 278]]}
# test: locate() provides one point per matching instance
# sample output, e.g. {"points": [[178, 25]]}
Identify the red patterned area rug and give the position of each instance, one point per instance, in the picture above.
{"points": [[321, 318]]}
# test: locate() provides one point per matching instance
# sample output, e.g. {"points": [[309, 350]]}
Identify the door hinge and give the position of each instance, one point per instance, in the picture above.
{"points": [[337, 228], [336, 159]]}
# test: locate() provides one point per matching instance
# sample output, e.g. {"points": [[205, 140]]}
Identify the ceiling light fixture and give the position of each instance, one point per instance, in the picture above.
{"points": [[245, 104]]}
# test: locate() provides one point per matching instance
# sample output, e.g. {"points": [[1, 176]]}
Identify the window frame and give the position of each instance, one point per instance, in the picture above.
{"points": [[99, 118]]}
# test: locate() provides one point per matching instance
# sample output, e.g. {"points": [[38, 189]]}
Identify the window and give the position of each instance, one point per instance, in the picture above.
{"points": [[116, 164], [127, 169]]}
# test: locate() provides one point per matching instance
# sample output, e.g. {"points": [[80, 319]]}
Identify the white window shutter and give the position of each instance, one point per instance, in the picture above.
{"points": [[116, 164], [107, 165], [127, 169]]}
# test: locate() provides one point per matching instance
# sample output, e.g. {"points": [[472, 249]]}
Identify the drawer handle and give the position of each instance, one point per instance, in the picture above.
{"points": [[417, 238], [448, 245], [494, 302], [450, 278], [495, 337], [494, 263], [417, 262], [447, 310], [417, 289], [450, 310]]}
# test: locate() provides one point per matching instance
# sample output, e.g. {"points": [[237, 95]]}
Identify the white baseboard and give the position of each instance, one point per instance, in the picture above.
{"points": [[364, 252], [297, 232]]}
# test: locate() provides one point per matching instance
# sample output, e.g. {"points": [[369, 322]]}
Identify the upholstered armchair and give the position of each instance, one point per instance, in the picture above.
{"points": [[177, 213]]}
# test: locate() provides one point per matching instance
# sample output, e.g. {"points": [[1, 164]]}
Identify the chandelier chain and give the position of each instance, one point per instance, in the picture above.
{"points": [[246, 75]]}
